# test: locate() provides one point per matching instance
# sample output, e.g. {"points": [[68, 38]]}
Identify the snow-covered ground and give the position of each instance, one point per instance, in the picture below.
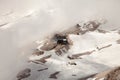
{"points": [[23, 22]]}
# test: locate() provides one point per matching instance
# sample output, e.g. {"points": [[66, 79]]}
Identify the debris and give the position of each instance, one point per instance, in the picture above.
{"points": [[104, 47], [54, 75], [24, 74], [42, 69]]}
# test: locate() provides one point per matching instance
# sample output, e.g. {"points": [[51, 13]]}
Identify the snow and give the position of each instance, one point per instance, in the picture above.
{"points": [[90, 64], [29, 21]]}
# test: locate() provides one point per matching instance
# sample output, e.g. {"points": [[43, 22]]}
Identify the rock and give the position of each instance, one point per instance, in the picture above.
{"points": [[38, 53], [43, 59], [24, 74], [49, 45], [118, 41], [112, 74], [54, 75], [42, 69], [109, 45]]}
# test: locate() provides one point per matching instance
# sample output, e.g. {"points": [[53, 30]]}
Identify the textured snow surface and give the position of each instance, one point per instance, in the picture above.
{"points": [[24, 22], [96, 62]]}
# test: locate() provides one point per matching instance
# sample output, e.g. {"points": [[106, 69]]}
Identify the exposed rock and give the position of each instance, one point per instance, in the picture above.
{"points": [[72, 63], [71, 58], [24, 74], [61, 39], [42, 69], [61, 49], [74, 75], [118, 41], [49, 45], [38, 53], [87, 77], [77, 56], [36, 62], [119, 32], [54, 75], [102, 31], [1, 25], [104, 47], [90, 26], [72, 30], [57, 41], [43, 59], [113, 74]]}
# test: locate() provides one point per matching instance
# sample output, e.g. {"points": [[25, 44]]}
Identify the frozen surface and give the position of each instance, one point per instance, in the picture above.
{"points": [[23, 22]]}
